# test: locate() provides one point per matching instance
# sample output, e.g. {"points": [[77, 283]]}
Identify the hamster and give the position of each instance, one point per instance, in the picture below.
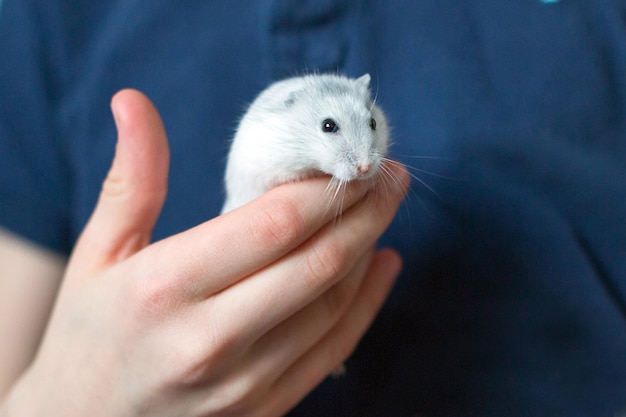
{"points": [[301, 127]]}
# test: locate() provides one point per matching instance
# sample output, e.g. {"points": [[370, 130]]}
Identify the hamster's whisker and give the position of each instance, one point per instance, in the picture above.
{"points": [[393, 179], [439, 158], [389, 181], [414, 176], [375, 98], [341, 193], [336, 192], [338, 185], [432, 174], [331, 192], [388, 178], [373, 102], [329, 187]]}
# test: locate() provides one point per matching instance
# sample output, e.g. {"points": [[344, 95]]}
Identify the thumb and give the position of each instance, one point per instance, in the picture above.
{"points": [[133, 192]]}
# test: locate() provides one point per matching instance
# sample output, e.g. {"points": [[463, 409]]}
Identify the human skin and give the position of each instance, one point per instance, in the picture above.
{"points": [[242, 315]]}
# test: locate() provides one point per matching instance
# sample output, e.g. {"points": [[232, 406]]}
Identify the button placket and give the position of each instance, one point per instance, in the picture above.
{"points": [[307, 36]]}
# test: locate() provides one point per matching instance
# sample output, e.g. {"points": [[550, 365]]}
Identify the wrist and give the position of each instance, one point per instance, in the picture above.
{"points": [[11, 406], [20, 401], [30, 397]]}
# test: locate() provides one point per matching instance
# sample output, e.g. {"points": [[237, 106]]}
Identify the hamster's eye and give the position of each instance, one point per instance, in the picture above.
{"points": [[373, 123], [329, 126]]}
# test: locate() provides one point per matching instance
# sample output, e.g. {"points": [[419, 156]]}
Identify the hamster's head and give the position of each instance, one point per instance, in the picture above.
{"points": [[342, 132]]}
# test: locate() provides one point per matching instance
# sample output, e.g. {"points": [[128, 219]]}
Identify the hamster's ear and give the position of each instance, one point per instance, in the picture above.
{"points": [[291, 98], [364, 81]]}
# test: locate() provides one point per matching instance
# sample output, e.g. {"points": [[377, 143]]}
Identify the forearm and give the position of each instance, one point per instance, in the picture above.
{"points": [[29, 278]]}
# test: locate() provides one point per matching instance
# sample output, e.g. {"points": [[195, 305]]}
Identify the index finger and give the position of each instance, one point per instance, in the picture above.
{"points": [[218, 253]]}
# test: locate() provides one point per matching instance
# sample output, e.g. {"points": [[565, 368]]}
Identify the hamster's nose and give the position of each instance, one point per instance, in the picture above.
{"points": [[363, 168]]}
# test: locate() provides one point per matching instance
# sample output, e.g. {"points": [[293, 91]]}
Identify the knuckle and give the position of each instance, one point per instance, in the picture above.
{"points": [[240, 397], [221, 345], [280, 225], [114, 185], [325, 263], [156, 297], [237, 394], [337, 300], [192, 366], [161, 288], [200, 357]]}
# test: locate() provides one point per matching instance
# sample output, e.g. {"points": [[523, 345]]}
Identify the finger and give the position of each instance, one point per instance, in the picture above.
{"points": [[222, 251], [134, 190], [276, 351], [275, 293], [341, 341]]}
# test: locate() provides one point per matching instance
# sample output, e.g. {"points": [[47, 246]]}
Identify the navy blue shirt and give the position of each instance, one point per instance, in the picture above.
{"points": [[513, 297]]}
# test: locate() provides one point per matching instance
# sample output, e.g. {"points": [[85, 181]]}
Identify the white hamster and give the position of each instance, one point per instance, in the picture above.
{"points": [[303, 126]]}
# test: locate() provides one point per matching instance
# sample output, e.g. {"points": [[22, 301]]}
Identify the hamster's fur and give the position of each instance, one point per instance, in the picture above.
{"points": [[303, 126]]}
